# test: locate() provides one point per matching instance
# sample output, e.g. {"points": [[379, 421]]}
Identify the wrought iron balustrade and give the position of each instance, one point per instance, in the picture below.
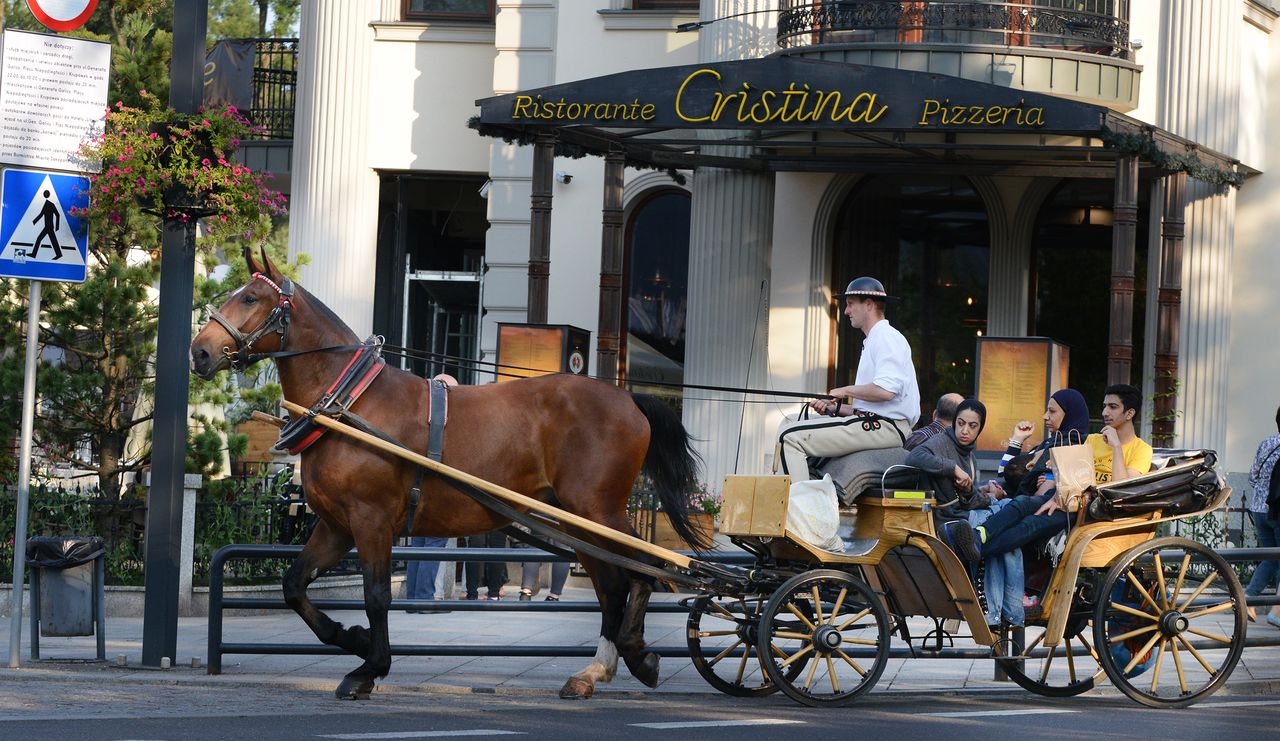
{"points": [[1093, 26], [275, 83]]}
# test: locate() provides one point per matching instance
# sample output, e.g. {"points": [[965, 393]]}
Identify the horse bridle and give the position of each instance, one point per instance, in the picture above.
{"points": [[276, 321]]}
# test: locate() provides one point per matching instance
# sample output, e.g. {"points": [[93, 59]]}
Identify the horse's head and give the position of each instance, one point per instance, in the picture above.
{"points": [[252, 321]]}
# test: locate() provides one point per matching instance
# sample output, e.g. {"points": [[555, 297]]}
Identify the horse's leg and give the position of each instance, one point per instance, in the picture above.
{"points": [[610, 584], [374, 544], [324, 548], [642, 664]]}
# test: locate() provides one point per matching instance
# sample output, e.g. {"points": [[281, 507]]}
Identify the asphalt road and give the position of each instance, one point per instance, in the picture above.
{"points": [[68, 711]]}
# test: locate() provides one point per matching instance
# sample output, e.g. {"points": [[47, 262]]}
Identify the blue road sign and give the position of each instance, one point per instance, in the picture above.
{"points": [[39, 237]]}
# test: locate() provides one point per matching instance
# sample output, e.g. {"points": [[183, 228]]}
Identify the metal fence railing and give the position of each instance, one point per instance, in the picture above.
{"points": [[218, 603]]}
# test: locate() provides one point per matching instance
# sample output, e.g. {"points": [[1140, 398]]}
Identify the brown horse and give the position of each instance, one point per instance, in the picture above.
{"points": [[574, 442]]}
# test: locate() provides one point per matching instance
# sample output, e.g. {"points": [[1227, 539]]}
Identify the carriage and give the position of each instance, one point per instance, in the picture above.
{"points": [[1162, 618]]}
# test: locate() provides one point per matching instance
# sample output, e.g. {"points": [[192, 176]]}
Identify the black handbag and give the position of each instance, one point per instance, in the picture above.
{"points": [[1182, 489]]}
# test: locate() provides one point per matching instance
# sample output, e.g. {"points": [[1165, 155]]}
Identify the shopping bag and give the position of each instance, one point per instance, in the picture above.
{"points": [[1073, 474], [813, 513]]}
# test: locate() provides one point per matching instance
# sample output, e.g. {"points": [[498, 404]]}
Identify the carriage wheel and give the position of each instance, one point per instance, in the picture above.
{"points": [[1066, 670], [835, 623], [1170, 622], [730, 626]]}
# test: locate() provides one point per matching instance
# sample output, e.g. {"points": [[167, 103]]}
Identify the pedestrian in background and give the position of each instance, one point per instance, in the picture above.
{"points": [[495, 573], [1264, 508], [420, 576]]}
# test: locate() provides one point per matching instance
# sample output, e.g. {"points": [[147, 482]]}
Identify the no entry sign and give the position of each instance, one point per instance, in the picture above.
{"points": [[62, 15]]}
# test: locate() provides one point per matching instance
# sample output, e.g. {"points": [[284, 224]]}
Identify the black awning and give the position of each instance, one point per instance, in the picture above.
{"points": [[794, 114]]}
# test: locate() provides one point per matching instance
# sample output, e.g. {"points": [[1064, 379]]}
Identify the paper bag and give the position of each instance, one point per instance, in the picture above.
{"points": [[1072, 473]]}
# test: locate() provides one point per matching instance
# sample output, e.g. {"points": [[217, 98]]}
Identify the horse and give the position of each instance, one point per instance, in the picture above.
{"points": [[571, 441]]}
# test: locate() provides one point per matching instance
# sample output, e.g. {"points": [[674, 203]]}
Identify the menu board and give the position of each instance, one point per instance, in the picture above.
{"points": [[1016, 375], [525, 351]]}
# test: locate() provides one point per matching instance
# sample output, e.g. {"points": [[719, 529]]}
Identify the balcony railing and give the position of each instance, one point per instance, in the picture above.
{"points": [[1092, 26], [275, 82]]}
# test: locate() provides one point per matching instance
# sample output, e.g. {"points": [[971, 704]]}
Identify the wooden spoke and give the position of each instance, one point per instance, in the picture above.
{"points": [[1133, 580], [831, 672], [1092, 653], [1137, 655], [1071, 662], [1197, 655], [808, 679], [817, 605], [1182, 572], [1044, 670], [717, 607], [1203, 585], [861, 672], [742, 665], [1164, 602], [1027, 651], [845, 625], [796, 655], [1155, 675], [1177, 663], [1134, 633], [781, 654], [716, 633], [844, 592], [861, 641], [1212, 636], [795, 636], [724, 653], [1210, 610], [1131, 611], [792, 609]]}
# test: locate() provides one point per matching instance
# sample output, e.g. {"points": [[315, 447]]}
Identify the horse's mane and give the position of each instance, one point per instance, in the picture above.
{"points": [[327, 313]]}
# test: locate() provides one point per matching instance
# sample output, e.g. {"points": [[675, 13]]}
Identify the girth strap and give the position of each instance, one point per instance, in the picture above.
{"points": [[437, 416]]}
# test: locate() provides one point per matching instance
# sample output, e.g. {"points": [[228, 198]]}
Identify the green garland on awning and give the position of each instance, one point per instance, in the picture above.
{"points": [[1144, 145], [563, 149]]}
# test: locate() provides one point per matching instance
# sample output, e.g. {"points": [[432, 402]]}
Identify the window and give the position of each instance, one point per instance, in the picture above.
{"points": [[657, 280], [449, 10], [926, 239]]}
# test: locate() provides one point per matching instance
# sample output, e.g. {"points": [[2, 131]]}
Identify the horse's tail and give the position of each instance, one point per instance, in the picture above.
{"points": [[672, 464]]}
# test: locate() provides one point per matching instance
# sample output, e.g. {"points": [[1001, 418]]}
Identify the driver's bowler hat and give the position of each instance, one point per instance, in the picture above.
{"points": [[865, 287]]}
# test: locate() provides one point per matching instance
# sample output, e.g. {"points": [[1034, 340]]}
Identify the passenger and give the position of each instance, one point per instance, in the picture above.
{"points": [[1027, 519], [1066, 419], [944, 415], [948, 460], [886, 398]]}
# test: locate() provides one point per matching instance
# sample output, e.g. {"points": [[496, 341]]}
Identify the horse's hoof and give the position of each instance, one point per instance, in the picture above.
{"points": [[353, 688], [577, 688], [647, 670]]}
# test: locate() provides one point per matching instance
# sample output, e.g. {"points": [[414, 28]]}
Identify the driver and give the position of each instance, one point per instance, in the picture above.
{"points": [[877, 411]]}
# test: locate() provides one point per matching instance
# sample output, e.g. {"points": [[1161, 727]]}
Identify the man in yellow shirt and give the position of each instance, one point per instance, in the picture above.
{"points": [[1031, 518]]}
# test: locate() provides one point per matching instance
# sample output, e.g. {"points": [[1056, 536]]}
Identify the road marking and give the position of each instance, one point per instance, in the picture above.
{"points": [[717, 723], [425, 734], [1237, 704], [982, 713]]}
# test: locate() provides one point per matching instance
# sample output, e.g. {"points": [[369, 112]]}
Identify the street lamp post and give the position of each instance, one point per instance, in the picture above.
{"points": [[169, 437]]}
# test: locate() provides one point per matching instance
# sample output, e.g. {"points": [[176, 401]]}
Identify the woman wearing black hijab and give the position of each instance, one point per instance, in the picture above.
{"points": [[948, 461]]}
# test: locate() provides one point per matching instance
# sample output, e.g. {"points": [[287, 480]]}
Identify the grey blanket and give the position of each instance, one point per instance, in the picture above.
{"points": [[862, 470]]}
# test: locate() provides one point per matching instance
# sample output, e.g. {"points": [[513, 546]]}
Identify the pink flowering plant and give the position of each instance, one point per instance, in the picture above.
{"points": [[180, 167]]}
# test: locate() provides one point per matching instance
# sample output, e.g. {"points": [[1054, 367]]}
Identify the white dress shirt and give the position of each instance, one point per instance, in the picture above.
{"points": [[886, 362]]}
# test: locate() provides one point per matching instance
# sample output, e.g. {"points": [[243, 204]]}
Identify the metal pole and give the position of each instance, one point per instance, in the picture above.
{"points": [[177, 287], [24, 478]]}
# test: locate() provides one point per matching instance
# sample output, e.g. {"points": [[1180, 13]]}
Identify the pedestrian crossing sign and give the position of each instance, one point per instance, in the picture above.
{"points": [[40, 237]]}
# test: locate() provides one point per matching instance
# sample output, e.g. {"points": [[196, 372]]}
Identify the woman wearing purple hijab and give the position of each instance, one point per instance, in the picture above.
{"points": [[1066, 419]]}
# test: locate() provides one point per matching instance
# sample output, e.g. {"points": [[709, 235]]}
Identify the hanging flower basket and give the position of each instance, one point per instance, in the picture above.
{"points": [[180, 168]]}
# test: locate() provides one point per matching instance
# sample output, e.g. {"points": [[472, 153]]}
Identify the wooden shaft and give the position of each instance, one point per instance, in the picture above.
{"points": [[507, 495]]}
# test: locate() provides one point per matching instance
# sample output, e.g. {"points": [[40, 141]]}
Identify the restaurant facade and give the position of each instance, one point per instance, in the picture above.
{"points": [[1090, 171]]}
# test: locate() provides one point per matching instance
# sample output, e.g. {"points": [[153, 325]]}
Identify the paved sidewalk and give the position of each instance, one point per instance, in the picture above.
{"points": [[63, 658]]}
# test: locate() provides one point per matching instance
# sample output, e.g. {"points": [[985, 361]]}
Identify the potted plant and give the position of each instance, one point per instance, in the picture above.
{"points": [[179, 167]]}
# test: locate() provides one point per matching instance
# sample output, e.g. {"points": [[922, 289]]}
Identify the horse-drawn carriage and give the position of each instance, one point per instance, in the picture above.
{"points": [[1162, 618]]}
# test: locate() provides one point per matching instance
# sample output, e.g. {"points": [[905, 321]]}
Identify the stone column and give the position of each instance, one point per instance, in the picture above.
{"points": [[730, 240], [334, 210], [1124, 234], [191, 483], [1168, 320], [544, 165], [609, 327], [1199, 99]]}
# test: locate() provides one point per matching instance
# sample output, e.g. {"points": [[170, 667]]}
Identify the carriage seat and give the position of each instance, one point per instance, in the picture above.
{"points": [[859, 472]]}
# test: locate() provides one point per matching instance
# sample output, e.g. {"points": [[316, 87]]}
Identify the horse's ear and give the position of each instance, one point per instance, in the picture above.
{"points": [[269, 268], [254, 265]]}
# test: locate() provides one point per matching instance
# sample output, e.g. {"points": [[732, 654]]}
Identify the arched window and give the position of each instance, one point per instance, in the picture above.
{"points": [[927, 240], [657, 281]]}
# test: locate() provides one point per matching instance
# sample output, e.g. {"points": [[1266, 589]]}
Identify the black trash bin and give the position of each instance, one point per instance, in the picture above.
{"points": [[68, 591]]}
